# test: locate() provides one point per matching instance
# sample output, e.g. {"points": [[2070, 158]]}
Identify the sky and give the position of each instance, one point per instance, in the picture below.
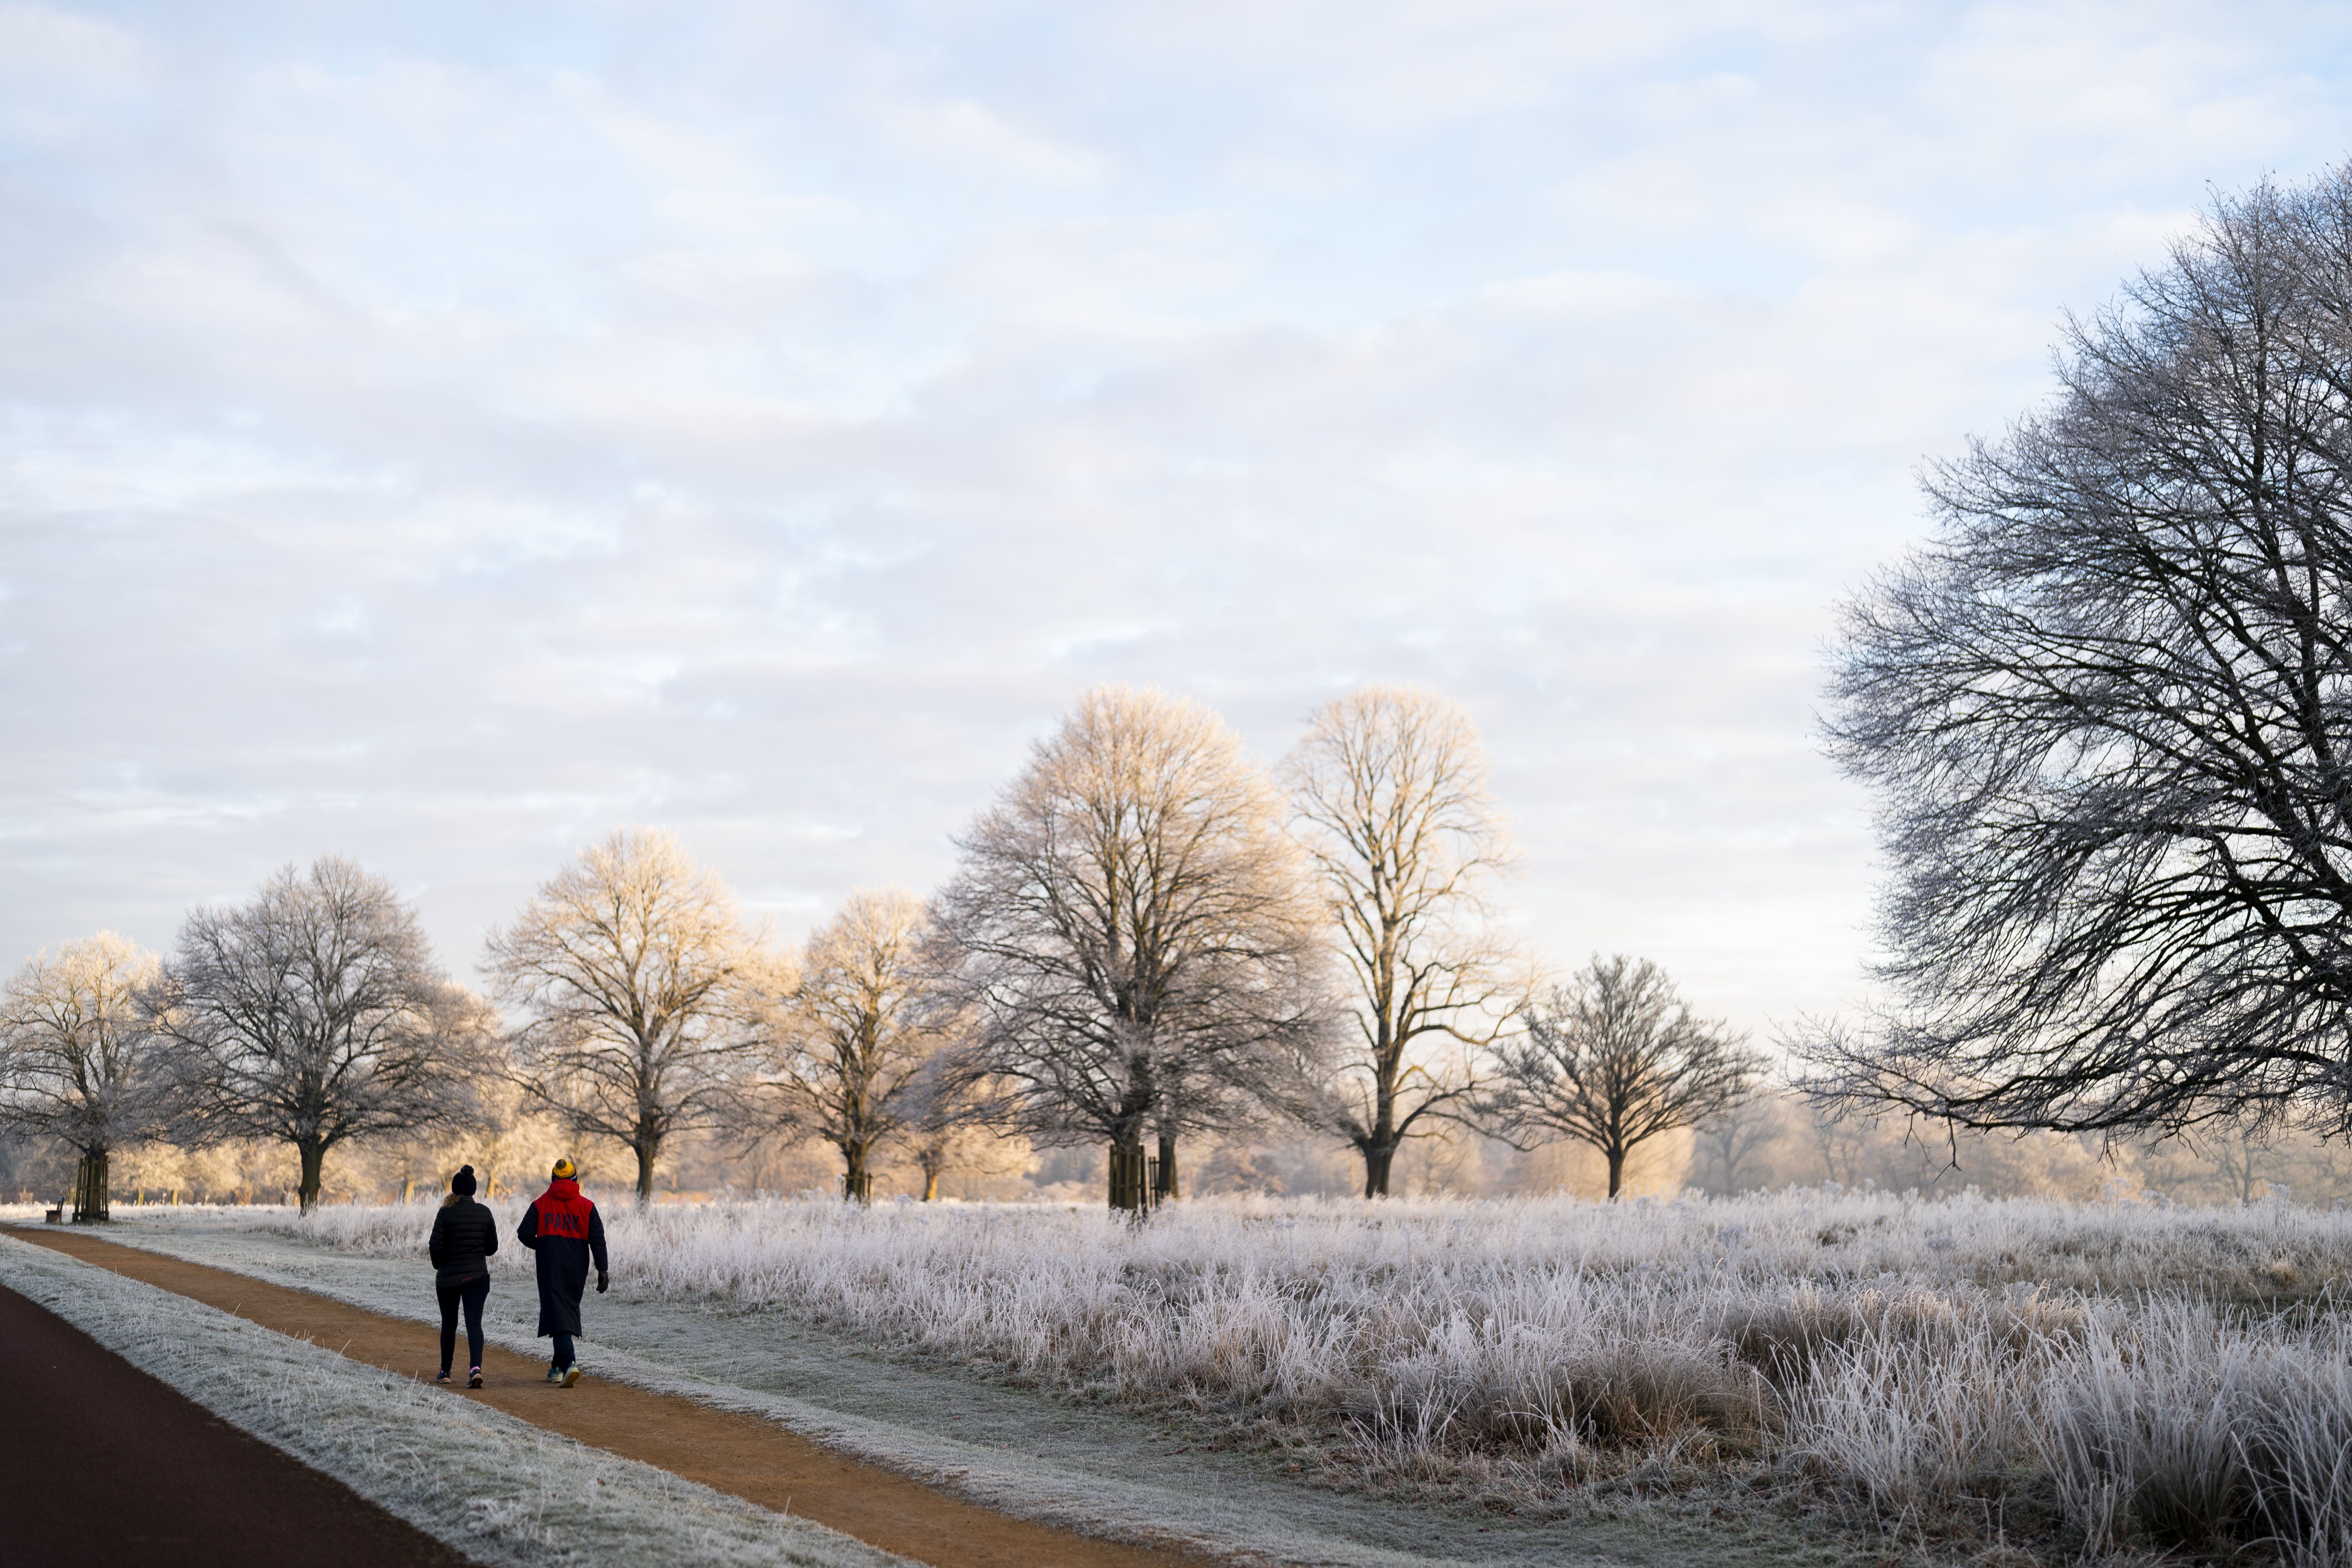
{"points": [[441, 434]]}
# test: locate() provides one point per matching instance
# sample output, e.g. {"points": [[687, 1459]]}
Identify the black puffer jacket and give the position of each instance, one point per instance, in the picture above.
{"points": [[464, 1234]]}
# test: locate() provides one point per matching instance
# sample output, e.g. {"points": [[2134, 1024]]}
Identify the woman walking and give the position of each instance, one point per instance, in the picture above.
{"points": [[464, 1234], [566, 1231]]}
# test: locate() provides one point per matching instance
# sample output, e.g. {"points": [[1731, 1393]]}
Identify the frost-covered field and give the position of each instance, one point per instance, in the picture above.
{"points": [[2092, 1376]]}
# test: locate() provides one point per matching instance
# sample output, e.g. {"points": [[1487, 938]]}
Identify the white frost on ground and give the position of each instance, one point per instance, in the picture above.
{"points": [[1898, 1349], [1103, 1471], [496, 1488]]}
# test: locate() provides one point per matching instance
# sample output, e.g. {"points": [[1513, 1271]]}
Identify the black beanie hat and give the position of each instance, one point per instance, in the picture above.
{"points": [[462, 1183]]}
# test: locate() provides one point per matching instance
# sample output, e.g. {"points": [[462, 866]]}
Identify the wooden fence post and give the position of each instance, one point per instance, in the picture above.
{"points": [[89, 1189], [1130, 1189]]}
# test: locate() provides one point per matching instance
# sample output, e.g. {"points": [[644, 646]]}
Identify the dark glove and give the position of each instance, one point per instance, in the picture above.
{"points": [[602, 1279]]}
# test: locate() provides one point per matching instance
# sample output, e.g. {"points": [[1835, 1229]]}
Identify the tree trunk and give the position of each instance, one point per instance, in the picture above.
{"points": [[1380, 1143], [89, 1187], [856, 1180], [646, 1153], [314, 1160], [930, 1184], [1616, 1169], [1169, 1188]]}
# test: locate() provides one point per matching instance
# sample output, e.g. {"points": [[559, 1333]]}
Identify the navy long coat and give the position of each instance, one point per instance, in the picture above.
{"points": [[565, 1231]]}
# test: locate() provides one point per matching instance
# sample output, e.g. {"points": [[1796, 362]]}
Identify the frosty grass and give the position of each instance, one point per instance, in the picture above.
{"points": [[2131, 1374]]}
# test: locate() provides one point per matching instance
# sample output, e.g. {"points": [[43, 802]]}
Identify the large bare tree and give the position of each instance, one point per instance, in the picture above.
{"points": [[1389, 791], [2105, 713], [315, 1014], [638, 983], [1137, 935], [1613, 1059], [848, 1046], [79, 1060]]}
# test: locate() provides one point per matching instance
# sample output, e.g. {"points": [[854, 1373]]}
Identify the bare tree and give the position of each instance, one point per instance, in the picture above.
{"points": [[935, 1150], [2104, 712], [1389, 789], [1727, 1155], [951, 1127], [504, 1131], [315, 1014], [849, 1045], [78, 1057], [1842, 1139], [1613, 1060], [638, 982], [966, 1146], [2243, 1159], [1135, 935]]}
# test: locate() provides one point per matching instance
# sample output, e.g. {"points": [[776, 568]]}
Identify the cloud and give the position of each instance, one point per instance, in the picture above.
{"points": [[439, 442]]}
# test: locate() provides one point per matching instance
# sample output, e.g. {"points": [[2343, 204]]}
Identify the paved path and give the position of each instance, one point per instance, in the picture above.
{"points": [[753, 1458], [102, 1465]]}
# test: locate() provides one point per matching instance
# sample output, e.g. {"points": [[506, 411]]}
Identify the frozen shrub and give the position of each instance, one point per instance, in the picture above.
{"points": [[2181, 1428], [1927, 1401]]}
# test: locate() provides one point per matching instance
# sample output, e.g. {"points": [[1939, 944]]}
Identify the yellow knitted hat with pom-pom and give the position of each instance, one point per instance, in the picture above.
{"points": [[565, 1170]]}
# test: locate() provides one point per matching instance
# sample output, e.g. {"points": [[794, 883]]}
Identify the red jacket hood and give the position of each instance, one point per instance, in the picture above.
{"points": [[563, 1189]]}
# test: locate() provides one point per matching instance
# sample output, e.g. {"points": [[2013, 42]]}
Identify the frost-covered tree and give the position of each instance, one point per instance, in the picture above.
{"points": [[848, 1045], [1136, 934], [1389, 791], [639, 986], [315, 1014], [79, 1058], [1613, 1059]]}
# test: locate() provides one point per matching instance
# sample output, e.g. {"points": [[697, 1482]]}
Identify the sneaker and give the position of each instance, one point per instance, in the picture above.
{"points": [[473, 1378], [444, 1379], [555, 1374], [572, 1374]]}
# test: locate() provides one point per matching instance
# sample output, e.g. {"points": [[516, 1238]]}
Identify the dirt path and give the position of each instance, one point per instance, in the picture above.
{"points": [[751, 1458], [102, 1465]]}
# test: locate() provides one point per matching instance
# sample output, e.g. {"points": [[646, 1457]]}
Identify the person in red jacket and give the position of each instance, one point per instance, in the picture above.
{"points": [[565, 1231]]}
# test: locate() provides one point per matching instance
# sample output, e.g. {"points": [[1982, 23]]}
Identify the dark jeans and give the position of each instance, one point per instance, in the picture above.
{"points": [[471, 1293], [563, 1352]]}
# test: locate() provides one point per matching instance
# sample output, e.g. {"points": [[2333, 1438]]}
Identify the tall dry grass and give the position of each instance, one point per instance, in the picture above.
{"points": [[2113, 1376]]}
